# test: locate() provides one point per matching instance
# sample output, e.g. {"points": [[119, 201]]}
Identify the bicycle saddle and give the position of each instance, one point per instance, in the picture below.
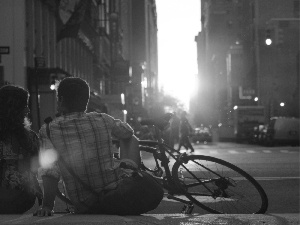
{"points": [[160, 122]]}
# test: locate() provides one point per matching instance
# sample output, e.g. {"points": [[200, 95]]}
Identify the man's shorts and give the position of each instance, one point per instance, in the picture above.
{"points": [[137, 193]]}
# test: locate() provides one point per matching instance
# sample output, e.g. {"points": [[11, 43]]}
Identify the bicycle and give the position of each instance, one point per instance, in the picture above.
{"points": [[213, 184]]}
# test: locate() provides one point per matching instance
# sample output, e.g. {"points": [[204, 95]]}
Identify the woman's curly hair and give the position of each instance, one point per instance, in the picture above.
{"points": [[13, 101]]}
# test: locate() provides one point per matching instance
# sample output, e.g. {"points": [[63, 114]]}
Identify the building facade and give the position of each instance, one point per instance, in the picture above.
{"points": [[237, 68], [92, 39], [278, 67]]}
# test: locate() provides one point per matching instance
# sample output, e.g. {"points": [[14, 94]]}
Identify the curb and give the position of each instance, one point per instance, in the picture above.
{"points": [[168, 219]]}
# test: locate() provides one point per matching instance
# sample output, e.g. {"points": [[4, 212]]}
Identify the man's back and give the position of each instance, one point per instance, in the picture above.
{"points": [[95, 181], [83, 141]]}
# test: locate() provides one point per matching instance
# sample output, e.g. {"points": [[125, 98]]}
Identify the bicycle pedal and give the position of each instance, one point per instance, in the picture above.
{"points": [[187, 209], [158, 172]]}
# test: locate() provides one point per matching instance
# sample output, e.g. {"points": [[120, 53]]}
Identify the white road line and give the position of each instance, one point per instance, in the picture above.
{"points": [[276, 178]]}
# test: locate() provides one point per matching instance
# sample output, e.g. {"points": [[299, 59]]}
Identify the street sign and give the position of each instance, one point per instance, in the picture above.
{"points": [[246, 93], [4, 50], [39, 62]]}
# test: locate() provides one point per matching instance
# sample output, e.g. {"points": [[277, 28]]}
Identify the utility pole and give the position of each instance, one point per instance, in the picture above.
{"points": [[256, 44]]}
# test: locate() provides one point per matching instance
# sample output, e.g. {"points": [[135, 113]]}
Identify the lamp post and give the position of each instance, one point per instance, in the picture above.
{"points": [[39, 63], [123, 107], [256, 44]]}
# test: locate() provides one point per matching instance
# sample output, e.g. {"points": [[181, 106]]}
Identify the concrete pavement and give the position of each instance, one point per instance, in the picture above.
{"points": [[172, 219]]}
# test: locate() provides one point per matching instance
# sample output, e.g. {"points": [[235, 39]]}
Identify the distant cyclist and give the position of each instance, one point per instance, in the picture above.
{"points": [[185, 129]]}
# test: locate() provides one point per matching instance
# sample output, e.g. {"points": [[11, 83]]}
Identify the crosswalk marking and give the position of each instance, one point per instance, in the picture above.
{"points": [[243, 151], [213, 152], [284, 151], [250, 151], [267, 151], [233, 152]]}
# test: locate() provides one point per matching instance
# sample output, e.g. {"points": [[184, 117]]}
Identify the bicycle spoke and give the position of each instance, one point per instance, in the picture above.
{"points": [[220, 187]]}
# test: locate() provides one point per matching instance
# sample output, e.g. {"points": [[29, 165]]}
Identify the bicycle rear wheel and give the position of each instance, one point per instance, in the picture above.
{"points": [[219, 186]]}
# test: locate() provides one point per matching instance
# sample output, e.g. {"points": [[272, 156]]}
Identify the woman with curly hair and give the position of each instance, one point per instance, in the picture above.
{"points": [[19, 148]]}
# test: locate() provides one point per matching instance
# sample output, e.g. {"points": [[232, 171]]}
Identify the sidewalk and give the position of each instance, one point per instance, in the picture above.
{"points": [[150, 219]]}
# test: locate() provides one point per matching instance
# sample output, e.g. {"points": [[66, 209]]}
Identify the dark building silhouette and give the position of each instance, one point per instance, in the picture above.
{"points": [[237, 68], [110, 43]]}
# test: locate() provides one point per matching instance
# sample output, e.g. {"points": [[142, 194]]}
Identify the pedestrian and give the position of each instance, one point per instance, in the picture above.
{"points": [[95, 181], [19, 146], [174, 130], [185, 130]]}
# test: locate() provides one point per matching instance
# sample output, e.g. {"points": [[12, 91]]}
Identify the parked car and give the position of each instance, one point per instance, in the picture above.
{"points": [[280, 130], [201, 135]]}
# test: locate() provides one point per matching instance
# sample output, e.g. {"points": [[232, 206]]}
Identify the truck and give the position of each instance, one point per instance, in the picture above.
{"points": [[246, 119]]}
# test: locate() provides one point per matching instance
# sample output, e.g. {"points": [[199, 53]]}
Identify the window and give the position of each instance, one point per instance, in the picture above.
{"points": [[1, 74], [296, 8], [103, 15]]}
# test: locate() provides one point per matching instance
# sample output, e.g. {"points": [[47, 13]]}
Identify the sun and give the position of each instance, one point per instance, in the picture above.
{"points": [[177, 49], [181, 87]]}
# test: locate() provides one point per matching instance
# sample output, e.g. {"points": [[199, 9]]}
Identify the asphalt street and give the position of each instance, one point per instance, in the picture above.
{"points": [[276, 169]]}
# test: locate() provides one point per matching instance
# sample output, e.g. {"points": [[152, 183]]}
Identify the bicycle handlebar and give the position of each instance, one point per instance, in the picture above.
{"points": [[161, 122], [149, 143]]}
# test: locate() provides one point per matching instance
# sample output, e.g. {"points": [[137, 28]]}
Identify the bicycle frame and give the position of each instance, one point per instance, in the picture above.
{"points": [[217, 186], [168, 182]]}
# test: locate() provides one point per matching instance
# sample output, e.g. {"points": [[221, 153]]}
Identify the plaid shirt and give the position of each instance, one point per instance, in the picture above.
{"points": [[83, 140]]}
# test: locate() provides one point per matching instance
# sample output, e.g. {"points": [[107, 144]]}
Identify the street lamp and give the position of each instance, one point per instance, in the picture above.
{"points": [[268, 41], [53, 78]]}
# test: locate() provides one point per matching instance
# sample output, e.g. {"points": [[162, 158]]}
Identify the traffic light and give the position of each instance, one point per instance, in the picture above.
{"points": [[53, 79], [268, 38], [279, 35]]}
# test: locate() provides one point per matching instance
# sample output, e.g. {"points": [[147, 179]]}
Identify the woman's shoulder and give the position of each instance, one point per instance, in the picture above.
{"points": [[32, 136], [31, 133]]}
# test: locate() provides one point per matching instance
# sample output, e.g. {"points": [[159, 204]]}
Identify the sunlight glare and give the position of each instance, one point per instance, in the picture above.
{"points": [[47, 157], [181, 88], [177, 48]]}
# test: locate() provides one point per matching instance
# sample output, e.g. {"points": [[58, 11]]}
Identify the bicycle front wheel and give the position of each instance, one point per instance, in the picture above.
{"points": [[219, 186]]}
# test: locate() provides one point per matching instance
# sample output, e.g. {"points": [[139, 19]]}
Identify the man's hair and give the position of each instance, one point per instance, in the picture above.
{"points": [[75, 92]]}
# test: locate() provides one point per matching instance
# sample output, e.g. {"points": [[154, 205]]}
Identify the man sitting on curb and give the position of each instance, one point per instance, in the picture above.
{"points": [[94, 180]]}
